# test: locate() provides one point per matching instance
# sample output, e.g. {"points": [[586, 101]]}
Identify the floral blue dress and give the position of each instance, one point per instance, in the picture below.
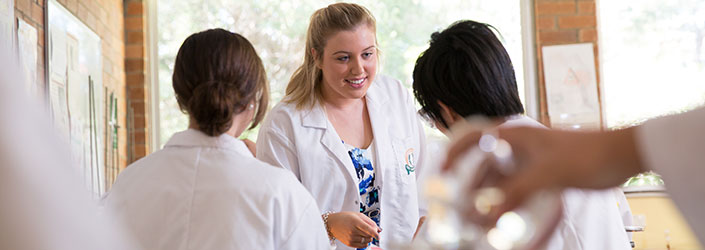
{"points": [[369, 192]]}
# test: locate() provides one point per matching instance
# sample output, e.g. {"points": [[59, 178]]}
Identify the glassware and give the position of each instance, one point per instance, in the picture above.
{"points": [[457, 201]]}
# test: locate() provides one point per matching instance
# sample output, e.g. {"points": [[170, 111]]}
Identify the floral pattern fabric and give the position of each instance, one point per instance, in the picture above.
{"points": [[369, 192]]}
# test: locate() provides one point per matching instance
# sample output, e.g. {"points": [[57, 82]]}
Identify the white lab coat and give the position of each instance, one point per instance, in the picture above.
{"points": [[591, 218], [305, 142], [203, 192], [674, 147]]}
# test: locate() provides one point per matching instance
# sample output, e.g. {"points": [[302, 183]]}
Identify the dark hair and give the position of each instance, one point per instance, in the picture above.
{"points": [[466, 68], [217, 74]]}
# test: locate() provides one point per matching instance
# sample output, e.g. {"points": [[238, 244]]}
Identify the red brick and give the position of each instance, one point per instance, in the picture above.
{"points": [[135, 37], [137, 104], [134, 23], [40, 36], [82, 12], [558, 37], [140, 137], [134, 51], [108, 66], [588, 35], [101, 15], [40, 56], [105, 45], [136, 92], [139, 152], [587, 7], [72, 6], [134, 79], [134, 8], [134, 65], [38, 14], [40, 76], [91, 22], [25, 6], [567, 22], [138, 120], [546, 23], [553, 8]]}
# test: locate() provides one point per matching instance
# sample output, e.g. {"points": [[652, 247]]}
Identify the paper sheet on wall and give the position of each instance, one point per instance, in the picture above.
{"points": [[27, 49], [571, 86], [7, 23], [59, 107], [58, 81], [57, 55]]}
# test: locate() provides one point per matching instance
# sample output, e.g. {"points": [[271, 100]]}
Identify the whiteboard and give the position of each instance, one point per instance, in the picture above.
{"points": [[75, 74]]}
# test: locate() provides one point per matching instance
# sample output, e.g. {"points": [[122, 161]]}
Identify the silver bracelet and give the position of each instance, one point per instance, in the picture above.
{"points": [[325, 222]]}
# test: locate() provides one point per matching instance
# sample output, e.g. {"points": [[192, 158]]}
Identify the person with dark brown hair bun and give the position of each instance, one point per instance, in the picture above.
{"points": [[205, 189]]}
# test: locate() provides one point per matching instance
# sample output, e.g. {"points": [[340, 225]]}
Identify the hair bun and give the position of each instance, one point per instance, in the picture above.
{"points": [[216, 102]]}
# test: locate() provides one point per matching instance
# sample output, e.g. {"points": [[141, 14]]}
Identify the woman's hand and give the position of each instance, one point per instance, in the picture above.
{"points": [[353, 229]]}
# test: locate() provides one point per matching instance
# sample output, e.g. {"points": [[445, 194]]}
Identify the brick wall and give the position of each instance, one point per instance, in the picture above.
{"points": [[136, 69], [563, 22], [104, 19], [32, 12]]}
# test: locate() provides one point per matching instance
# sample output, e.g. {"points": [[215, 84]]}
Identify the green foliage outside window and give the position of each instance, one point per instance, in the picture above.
{"points": [[277, 29]]}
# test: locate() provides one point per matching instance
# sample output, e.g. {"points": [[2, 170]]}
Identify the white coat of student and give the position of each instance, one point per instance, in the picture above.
{"points": [[205, 189], [467, 72], [349, 135]]}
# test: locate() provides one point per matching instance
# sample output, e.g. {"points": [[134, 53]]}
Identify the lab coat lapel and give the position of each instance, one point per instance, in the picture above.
{"points": [[330, 139], [376, 101]]}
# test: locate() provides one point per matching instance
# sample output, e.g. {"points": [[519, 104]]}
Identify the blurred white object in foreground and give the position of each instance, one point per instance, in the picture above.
{"points": [[448, 225], [43, 202]]}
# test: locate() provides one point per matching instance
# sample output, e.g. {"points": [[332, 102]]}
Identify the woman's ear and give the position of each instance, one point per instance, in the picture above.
{"points": [[448, 114]]}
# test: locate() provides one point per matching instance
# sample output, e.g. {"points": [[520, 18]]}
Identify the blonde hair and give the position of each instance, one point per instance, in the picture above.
{"points": [[304, 86]]}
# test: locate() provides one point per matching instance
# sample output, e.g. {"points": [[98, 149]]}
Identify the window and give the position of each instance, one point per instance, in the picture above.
{"points": [[653, 58], [277, 29], [653, 64]]}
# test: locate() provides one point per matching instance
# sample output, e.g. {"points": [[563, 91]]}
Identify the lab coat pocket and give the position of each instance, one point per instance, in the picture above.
{"points": [[405, 159]]}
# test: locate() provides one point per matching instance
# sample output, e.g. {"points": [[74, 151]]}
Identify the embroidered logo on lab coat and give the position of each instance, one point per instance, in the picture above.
{"points": [[409, 158]]}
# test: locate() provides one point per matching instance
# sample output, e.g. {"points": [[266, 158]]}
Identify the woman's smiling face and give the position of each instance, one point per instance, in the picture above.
{"points": [[349, 63]]}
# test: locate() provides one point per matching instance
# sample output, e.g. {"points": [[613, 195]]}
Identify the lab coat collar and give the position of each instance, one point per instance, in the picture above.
{"points": [[376, 96], [196, 138], [316, 117]]}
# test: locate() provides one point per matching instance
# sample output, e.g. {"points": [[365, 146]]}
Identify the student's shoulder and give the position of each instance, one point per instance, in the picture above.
{"points": [[283, 108], [389, 84], [278, 180], [282, 114], [392, 90]]}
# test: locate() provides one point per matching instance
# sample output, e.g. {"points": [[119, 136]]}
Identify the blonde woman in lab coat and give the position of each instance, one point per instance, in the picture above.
{"points": [[466, 72], [205, 189], [350, 136]]}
